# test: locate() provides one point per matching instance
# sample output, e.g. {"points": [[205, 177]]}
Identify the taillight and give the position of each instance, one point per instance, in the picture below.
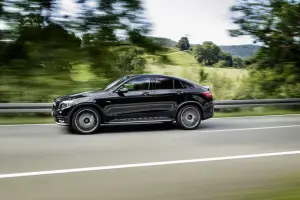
{"points": [[207, 94]]}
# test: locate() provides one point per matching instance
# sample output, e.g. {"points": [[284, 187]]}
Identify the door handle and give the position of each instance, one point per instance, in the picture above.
{"points": [[179, 92], [146, 93]]}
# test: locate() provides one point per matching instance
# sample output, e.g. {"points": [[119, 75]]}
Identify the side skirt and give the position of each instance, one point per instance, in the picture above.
{"points": [[140, 120]]}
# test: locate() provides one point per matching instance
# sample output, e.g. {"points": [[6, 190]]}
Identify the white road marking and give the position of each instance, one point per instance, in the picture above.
{"points": [[241, 129], [248, 129], [150, 164]]}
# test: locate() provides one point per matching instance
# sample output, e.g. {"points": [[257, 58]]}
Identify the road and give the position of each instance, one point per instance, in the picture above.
{"points": [[96, 166]]}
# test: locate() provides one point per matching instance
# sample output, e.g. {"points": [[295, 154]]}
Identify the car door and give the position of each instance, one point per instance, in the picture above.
{"points": [[167, 93], [134, 104]]}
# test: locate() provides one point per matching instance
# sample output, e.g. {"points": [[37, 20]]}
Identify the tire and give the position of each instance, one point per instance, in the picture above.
{"points": [[86, 120], [189, 117]]}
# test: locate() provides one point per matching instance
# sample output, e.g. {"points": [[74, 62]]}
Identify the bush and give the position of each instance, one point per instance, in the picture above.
{"points": [[203, 76], [220, 86], [221, 64]]}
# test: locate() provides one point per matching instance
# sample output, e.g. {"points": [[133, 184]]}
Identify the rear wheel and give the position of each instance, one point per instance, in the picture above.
{"points": [[189, 117], [86, 120]]}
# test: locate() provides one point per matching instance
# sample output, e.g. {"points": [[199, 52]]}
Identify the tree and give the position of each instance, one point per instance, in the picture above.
{"points": [[220, 64], [44, 44], [129, 59], [238, 62], [203, 76], [183, 44], [227, 57], [207, 53], [275, 23]]}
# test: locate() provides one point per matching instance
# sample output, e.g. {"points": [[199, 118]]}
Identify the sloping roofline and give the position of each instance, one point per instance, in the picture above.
{"points": [[166, 76]]}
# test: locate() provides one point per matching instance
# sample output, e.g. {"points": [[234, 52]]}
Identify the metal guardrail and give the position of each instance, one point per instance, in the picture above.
{"points": [[46, 107], [256, 103]]}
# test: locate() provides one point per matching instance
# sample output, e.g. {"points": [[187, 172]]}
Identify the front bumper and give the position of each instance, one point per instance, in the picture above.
{"points": [[60, 119]]}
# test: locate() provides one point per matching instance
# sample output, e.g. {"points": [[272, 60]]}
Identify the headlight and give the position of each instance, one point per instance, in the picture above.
{"points": [[66, 104]]}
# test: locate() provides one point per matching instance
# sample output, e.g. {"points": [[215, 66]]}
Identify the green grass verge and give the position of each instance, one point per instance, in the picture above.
{"points": [[25, 120], [280, 188], [48, 120]]}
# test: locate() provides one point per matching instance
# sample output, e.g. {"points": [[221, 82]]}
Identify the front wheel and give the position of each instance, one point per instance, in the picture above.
{"points": [[86, 120], [189, 117]]}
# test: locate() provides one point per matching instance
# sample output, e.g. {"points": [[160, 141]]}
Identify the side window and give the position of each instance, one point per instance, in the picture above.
{"points": [[177, 84], [186, 85], [163, 83], [137, 84]]}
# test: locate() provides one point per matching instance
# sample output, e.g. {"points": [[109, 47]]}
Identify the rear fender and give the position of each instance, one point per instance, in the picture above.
{"points": [[189, 103]]}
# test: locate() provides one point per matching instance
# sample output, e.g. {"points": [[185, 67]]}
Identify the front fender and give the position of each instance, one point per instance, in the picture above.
{"points": [[86, 104]]}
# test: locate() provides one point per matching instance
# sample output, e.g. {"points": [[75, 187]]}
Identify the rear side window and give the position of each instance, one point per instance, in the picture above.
{"points": [[177, 84], [186, 85], [163, 83]]}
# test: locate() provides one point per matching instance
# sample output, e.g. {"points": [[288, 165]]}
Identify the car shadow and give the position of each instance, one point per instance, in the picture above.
{"points": [[111, 129]]}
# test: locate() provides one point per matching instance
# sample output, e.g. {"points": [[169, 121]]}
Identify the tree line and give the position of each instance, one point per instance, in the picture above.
{"points": [[274, 72], [210, 54], [40, 46]]}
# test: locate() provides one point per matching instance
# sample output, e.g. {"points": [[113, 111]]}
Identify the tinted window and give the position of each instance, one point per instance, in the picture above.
{"points": [[113, 84], [138, 84], [186, 85], [163, 83], [177, 84]]}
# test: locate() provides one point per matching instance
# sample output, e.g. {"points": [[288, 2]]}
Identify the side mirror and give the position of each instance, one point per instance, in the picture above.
{"points": [[123, 90]]}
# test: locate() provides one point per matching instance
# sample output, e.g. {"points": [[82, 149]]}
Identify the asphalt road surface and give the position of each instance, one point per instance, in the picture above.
{"points": [[223, 159]]}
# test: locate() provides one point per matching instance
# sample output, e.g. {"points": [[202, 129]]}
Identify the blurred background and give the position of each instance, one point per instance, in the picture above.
{"points": [[55, 47], [242, 49]]}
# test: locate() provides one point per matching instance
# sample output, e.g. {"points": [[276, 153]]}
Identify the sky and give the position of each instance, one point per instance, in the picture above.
{"points": [[201, 20]]}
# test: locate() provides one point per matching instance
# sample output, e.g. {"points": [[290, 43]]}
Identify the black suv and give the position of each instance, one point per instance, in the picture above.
{"points": [[135, 99]]}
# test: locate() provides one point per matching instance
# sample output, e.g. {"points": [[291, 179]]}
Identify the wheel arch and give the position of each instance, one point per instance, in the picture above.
{"points": [[82, 105], [194, 103]]}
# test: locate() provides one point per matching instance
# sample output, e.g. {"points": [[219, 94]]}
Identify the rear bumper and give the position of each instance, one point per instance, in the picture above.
{"points": [[208, 112]]}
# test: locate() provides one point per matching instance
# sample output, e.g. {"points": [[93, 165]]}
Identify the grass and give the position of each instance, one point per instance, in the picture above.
{"points": [[27, 119], [183, 64], [82, 73], [281, 188], [177, 63]]}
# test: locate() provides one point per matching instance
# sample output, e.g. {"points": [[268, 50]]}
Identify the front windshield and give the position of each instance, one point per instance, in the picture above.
{"points": [[116, 82]]}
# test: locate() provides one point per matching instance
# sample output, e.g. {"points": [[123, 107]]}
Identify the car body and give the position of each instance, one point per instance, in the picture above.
{"points": [[141, 98]]}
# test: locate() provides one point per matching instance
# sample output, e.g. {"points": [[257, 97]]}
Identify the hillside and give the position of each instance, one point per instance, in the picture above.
{"points": [[164, 41], [243, 51], [183, 64]]}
